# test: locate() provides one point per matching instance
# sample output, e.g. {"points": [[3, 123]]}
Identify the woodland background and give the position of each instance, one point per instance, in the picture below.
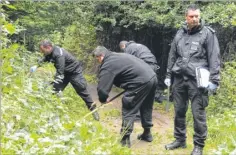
{"points": [[34, 121]]}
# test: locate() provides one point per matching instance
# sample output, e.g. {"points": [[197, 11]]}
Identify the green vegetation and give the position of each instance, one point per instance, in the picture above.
{"points": [[35, 121], [222, 114], [167, 13]]}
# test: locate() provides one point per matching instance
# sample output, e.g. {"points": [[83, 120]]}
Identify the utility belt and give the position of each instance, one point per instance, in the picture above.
{"points": [[184, 76]]}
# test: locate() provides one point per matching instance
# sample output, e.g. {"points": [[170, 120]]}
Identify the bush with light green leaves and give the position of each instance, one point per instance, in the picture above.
{"points": [[222, 114], [33, 120]]}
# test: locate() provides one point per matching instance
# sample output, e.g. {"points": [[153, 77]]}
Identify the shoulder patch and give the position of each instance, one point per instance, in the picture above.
{"points": [[211, 29], [61, 53]]}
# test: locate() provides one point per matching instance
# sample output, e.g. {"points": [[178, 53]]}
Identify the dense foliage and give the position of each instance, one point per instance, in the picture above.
{"points": [[35, 121], [67, 24], [221, 114], [167, 13]]}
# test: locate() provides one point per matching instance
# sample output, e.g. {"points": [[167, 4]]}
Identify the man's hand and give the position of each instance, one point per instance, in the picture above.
{"points": [[33, 69], [107, 101], [212, 88], [60, 94], [167, 82]]}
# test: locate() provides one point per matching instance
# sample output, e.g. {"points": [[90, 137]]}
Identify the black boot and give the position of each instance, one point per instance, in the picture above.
{"points": [[146, 135], [95, 113], [197, 150], [125, 141], [176, 144]]}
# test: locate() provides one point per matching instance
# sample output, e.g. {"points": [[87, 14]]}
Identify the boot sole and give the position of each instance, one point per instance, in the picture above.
{"points": [[183, 147], [145, 139]]}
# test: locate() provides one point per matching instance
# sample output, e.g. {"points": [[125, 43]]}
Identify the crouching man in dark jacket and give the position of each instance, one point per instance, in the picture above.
{"points": [[139, 81], [140, 51], [68, 69], [143, 52]]}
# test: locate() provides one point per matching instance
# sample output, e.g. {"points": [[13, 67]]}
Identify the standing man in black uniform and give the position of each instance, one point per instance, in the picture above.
{"points": [[195, 45], [68, 69], [138, 80]]}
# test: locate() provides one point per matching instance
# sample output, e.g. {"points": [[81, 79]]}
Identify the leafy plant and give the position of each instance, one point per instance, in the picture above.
{"points": [[34, 121], [221, 116]]}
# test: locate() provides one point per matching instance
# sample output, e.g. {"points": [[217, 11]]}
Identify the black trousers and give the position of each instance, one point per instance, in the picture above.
{"points": [[158, 92], [183, 91], [80, 85], [138, 99]]}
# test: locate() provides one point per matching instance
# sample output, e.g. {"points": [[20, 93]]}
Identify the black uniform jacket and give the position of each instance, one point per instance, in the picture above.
{"points": [[140, 51], [124, 71], [64, 62], [192, 49]]}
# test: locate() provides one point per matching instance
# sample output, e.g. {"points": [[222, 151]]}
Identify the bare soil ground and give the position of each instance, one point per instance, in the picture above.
{"points": [[162, 130]]}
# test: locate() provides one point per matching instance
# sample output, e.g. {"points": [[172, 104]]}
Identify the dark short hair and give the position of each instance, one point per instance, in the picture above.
{"points": [[100, 50], [191, 7], [45, 43]]}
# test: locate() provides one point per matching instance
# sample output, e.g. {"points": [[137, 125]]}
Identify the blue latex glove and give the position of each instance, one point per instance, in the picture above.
{"points": [[33, 69], [212, 88]]}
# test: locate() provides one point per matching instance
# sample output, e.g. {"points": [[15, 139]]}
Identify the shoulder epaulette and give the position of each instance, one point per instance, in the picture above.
{"points": [[180, 31], [179, 34], [211, 29]]}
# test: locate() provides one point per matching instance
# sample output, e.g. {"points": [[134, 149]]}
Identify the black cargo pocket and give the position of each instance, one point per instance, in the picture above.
{"points": [[82, 84], [80, 81], [204, 94], [128, 101]]}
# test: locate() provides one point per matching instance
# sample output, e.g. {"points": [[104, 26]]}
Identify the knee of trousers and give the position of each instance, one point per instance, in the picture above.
{"points": [[127, 127], [180, 113]]}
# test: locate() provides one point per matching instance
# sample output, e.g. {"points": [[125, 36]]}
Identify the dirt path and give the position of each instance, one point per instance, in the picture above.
{"points": [[162, 130]]}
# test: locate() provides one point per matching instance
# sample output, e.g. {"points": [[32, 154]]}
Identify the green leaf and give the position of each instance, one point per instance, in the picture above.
{"points": [[10, 28], [14, 46], [6, 89], [234, 22], [10, 7]]}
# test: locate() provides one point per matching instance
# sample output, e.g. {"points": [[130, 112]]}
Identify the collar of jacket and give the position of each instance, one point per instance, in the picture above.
{"points": [[54, 48], [194, 29], [128, 43], [106, 56]]}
